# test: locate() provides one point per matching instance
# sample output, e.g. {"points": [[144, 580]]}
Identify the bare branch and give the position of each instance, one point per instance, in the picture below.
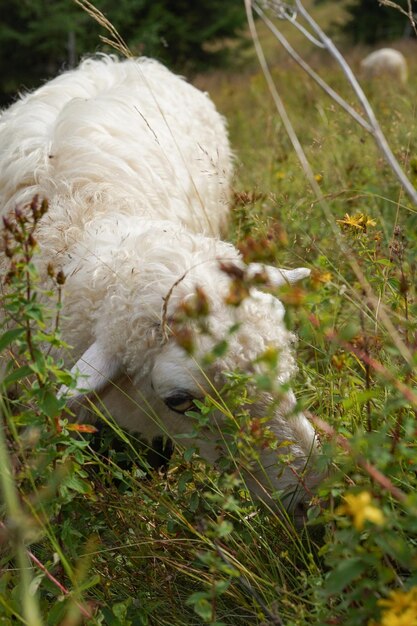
{"points": [[290, 13], [377, 476], [309, 70], [377, 132], [409, 13]]}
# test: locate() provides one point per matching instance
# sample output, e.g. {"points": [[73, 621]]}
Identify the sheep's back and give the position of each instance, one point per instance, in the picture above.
{"points": [[118, 137], [385, 62]]}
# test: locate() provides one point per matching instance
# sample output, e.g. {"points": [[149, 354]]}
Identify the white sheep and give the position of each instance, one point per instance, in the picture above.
{"points": [[136, 165], [385, 62]]}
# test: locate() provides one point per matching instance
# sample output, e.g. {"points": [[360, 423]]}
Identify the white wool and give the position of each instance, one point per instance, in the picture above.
{"points": [[385, 62], [136, 165]]}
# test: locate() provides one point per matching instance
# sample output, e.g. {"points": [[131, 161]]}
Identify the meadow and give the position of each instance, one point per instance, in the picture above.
{"points": [[97, 541]]}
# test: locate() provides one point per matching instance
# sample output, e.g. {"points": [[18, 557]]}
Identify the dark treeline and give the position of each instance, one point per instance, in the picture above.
{"points": [[370, 22], [38, 38]]}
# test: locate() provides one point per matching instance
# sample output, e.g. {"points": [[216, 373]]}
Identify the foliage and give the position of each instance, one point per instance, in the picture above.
{"points": [[54, 35], [356, 322], [46, 462]]}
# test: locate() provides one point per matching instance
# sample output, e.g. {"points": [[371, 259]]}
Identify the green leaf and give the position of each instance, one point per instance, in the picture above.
{"points": [[358, 399], [185, 478], [222, 585], [91, 582], [344, 574], [201, 605], [220, 348], [21, 372], [34, 312], [50, 404], [77, 484], [264, 382], [194, 502], [57, 613], [120, 611], [224, 528], [65, 378], [9, 336], [188, 453]]}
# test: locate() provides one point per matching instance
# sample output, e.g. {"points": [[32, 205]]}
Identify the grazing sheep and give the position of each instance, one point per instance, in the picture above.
{"points": [[385, 62], [136, 165]]}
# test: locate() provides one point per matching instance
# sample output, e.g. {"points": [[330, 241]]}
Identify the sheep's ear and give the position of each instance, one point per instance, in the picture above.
{"points": [[95, 370], [278, 277]]}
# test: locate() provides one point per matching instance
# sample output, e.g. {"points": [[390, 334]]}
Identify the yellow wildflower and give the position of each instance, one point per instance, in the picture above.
{"points": [[280, 175], [406, 618], [400, 608], [318, 177], [339, 361], [359, 507], [318, 277], [368, 221], [360, 221], [351, 220], [399, 600]]}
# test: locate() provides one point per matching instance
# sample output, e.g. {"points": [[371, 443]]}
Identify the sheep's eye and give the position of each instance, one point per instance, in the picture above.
{"points": [[180, 402]]}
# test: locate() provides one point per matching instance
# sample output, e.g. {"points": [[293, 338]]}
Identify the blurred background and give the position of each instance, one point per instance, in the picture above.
{"points": [[39, 38]]}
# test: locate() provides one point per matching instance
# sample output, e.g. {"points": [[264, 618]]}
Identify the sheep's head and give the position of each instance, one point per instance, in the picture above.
{"points": [[152, 380]]}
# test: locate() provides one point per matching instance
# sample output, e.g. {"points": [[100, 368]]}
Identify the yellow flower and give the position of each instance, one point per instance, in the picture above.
{"points": [[280, 175], [406, 618], [318, 177], [359, 507], [360, 221], [400, 608], [353, 221], [318, 277], [368, 221], [399, 600]]}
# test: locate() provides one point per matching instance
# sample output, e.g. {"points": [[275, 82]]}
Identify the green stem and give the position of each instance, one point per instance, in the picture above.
{"points": [[30, 607]]}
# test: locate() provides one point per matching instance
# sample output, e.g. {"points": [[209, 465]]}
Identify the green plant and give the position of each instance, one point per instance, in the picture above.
{"points": [[43, 462]]}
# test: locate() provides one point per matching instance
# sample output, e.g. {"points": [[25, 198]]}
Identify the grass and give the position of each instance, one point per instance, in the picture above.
{"points": [[189, 547]]}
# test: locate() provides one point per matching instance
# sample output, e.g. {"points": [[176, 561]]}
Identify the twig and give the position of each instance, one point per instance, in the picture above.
{"points": [[370, 469], [409, 13], [309, 70], [56, 582], [117, 42], [280, 9], [52, 578], [288, 12], [408, 394], [377, 132], [166, 299]]}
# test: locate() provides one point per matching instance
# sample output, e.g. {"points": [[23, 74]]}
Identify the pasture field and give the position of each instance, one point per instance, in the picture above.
{"points": [[104, 544]]}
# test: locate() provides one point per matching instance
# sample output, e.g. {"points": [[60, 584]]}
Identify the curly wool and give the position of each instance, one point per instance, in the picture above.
{"points": [[136, 166]]}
